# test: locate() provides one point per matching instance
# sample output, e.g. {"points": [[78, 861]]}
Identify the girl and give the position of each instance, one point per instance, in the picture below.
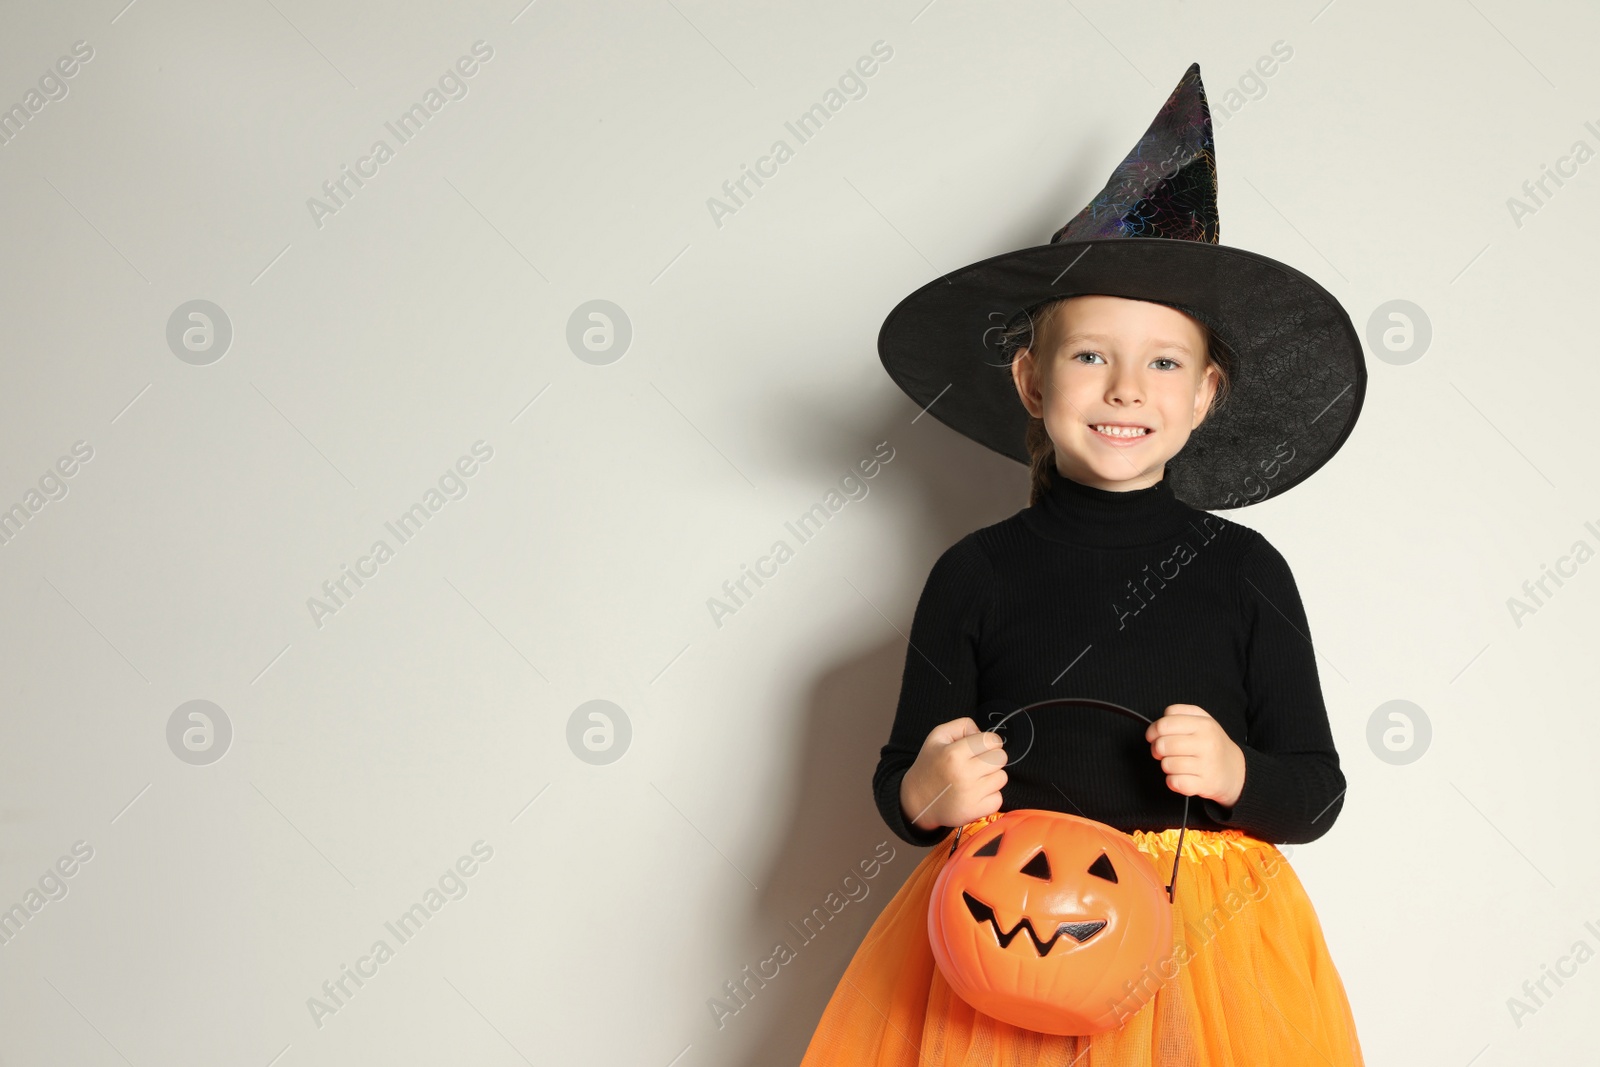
{"points": [[1115, 584]]}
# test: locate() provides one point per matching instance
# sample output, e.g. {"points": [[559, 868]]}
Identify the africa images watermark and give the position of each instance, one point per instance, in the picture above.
{"points": [[1251, 84], [52, 885], [1580, 953], [1258, 489], [337, 992], [740, 991], [452, 485], [1254, 489], [804, 528], [1566, 567], [1198, 935], [1566, 167], [52, 88], [52, 486], [452, 86], [1126, 607], [852, 85]]}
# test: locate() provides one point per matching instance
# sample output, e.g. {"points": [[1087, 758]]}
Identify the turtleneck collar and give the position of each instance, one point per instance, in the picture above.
{"points": [[1079, 514]]}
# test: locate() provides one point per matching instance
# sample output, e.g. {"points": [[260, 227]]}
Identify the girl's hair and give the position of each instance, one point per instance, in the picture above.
{"points": [[1040, 448]]}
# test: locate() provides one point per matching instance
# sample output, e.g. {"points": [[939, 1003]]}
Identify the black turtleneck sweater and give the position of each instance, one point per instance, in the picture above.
{"points": [[1136, 598]]}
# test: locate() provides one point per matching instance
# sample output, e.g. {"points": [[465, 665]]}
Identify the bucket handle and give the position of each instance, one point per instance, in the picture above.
{"points": [[1104, 705]]}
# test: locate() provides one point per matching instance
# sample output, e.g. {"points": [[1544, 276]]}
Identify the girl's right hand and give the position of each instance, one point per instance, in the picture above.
{"points": [[956, 777]]}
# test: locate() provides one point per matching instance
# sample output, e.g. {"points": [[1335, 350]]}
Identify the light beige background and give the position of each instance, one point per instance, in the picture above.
{"points": [[430, 711]]}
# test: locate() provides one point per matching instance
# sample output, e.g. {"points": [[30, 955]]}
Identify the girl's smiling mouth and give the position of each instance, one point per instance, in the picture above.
{"points": [[1120, 433]]}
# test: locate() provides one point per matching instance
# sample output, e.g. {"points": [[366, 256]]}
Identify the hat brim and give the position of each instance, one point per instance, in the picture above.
{"points": [[1299, 375]]}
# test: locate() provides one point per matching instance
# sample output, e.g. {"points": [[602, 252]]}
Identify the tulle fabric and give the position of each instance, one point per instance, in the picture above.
{"points": [[1249, 981]]}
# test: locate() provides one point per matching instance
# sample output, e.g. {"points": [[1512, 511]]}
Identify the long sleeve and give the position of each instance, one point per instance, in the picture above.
{"points": [[1293, 787], [940, 679]]}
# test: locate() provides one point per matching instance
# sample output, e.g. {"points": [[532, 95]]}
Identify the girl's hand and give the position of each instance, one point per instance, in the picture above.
{"points": [[956, 777], [1198, 756]]}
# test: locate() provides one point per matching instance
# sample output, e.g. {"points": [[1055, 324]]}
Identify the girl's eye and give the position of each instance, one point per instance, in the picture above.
{"points": [[1173, 364]]}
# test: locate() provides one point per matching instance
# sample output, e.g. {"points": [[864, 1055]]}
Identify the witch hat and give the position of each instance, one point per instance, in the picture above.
{"points": [[1298, 376]]}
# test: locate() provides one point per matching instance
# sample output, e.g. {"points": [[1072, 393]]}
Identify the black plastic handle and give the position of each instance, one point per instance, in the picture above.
{"points": [[1104, 705]]}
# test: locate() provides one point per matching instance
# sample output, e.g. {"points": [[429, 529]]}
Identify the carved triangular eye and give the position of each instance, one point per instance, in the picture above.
{"points": [[1038, 867], [990, 847], [1101, 868]]}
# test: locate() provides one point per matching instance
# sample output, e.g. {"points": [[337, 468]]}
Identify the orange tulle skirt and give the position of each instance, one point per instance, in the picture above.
{"points": [[1253, 984]]}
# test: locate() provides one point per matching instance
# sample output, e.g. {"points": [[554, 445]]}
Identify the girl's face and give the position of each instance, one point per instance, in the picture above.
{"points": [[1104, 364]]}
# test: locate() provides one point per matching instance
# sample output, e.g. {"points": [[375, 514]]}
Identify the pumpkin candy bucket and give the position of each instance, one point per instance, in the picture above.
{"points": [[1039, 918]]}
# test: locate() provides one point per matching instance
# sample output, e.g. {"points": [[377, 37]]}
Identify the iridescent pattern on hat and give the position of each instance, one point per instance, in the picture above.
{"points": [[1167, 187]]}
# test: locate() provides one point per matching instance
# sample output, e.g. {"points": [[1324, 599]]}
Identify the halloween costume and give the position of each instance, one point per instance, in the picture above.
{"points": [[1147, 574], [1142, 599]]}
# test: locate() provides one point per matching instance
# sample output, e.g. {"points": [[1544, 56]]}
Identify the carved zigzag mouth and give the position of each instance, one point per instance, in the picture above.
{"points": [[1079, 932]]}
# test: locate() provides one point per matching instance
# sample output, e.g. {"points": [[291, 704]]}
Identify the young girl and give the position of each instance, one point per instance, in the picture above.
{"points": [[1114, 585]]}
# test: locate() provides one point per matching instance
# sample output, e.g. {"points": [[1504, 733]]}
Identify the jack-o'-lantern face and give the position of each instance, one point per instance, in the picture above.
{"points": [[1040, 917], [1038, 867]]}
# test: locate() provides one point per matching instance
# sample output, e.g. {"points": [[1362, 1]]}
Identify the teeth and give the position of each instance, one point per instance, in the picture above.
{"points": [[1122, 431]]}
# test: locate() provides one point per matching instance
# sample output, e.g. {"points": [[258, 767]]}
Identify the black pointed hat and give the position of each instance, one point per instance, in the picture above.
{"points": [[1297, 372]]}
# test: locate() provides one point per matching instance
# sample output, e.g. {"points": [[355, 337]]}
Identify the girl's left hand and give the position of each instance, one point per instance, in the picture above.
{"points": [[1198, 756]]}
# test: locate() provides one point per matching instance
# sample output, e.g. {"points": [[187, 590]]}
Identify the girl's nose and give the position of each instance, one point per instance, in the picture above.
{"points": [[1125, 387]]}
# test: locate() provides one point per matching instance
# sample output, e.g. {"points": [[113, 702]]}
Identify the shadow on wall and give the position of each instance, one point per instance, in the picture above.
{"points": [[947, 486], [955, 486]]}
